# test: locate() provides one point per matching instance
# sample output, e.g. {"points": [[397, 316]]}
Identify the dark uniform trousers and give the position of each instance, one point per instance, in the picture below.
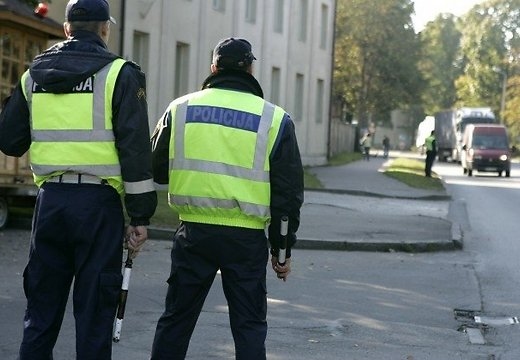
{"points": [[430, 158], [77, 234], [199, 250]]}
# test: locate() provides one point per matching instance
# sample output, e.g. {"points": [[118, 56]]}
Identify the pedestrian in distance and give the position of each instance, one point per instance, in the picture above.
{"points": [[366, 143], [81, 113], [386, 146], [431, 153], [233, 168]]}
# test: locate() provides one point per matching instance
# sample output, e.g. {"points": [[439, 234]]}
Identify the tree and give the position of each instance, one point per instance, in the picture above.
{"points": [[511, 115], [507, 14], [490, 42], [439, 63], [482, 48], [465, 61], [375, 58]]}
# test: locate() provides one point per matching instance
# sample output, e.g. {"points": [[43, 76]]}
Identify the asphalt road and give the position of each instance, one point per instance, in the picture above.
{"points": [[491, 237], [335, 305]]}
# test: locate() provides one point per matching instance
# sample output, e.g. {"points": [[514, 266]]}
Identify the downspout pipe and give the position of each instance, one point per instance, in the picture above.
{"points": [[122, 28], [329, 150]]}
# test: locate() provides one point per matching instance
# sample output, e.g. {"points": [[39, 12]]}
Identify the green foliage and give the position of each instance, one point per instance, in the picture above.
{"points": [[483, 48], [310, 180], [344, 158], [465, 61], [439, 63], [375, 57], [511, 114]]}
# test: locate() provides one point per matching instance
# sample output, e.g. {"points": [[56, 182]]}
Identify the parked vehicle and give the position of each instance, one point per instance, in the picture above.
{"points": [[485, 148]]}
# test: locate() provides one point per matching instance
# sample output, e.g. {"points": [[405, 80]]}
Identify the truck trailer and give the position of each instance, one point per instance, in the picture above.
{"points": [[445, 134], [450, 125]]}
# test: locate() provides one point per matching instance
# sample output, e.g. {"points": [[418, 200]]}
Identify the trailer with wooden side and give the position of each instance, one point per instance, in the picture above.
{"points": [[25, 32], [17, 188]]}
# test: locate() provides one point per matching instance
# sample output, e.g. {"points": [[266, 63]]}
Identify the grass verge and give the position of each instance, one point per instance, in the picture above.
{"points": [[411, 172], [344, 158], [310, 181], [164, 216]]}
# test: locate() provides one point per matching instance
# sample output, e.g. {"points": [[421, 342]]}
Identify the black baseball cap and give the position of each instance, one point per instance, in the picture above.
{"points": [[232, 53], [88, 10]]}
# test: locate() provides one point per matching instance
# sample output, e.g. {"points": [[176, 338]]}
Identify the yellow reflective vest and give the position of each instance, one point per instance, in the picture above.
{"points": [[429, 143], [72, 132], [219, 157]]}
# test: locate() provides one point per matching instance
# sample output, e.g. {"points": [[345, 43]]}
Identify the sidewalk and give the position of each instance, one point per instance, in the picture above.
{"points": [[362, 209]]}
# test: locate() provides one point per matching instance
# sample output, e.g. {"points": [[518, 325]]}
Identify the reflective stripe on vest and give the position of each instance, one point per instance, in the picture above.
{"points": [[73, 132], [240, 193]]}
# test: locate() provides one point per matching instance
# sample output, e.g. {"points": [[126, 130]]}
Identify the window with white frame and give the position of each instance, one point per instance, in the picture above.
{"points": [[298, 97], [320, 93], [324, 25], [141, 49], [182, 69], [302, 24], [275, 85], [251, 11], [278, 17], [219, 5]]}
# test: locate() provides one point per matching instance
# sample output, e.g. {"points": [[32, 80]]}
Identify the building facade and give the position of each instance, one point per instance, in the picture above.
{"points": [[173, 41]]}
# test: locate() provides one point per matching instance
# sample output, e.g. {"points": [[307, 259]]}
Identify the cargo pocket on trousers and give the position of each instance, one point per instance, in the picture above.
{"points": [[109, 289]]}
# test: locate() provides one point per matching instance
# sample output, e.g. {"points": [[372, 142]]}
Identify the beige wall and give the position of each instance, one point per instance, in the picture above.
{"points": [[197, 24]]}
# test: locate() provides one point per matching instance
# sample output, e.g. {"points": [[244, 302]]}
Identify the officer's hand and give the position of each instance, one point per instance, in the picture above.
{"points": [[135, 238], [282, 272]]}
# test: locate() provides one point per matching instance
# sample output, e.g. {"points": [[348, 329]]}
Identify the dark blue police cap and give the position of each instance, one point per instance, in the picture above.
{"points": [[233, 53], [88, 10]]}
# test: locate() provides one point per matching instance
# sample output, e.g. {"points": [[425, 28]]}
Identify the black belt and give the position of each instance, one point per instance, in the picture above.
{"points": [[77, 179]]}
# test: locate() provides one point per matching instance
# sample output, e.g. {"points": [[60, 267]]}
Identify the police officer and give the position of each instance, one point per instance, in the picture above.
{"points": [[431, 153], [81, 112], [232, 169]]}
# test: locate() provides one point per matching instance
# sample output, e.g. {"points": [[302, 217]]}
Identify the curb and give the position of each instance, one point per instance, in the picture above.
{"points": [[456, 242], [347, 245], [457, 235], [160, 233], [438, 197], [409, 247]]}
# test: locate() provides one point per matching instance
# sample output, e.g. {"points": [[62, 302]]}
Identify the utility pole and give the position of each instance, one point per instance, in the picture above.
{"points": [[503, 100], [503, 97]]}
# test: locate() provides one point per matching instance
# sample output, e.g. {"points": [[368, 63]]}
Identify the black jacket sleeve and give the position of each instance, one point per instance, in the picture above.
{"points": [[160, 148], [132, 134], [286, 186], [15, 130]]}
